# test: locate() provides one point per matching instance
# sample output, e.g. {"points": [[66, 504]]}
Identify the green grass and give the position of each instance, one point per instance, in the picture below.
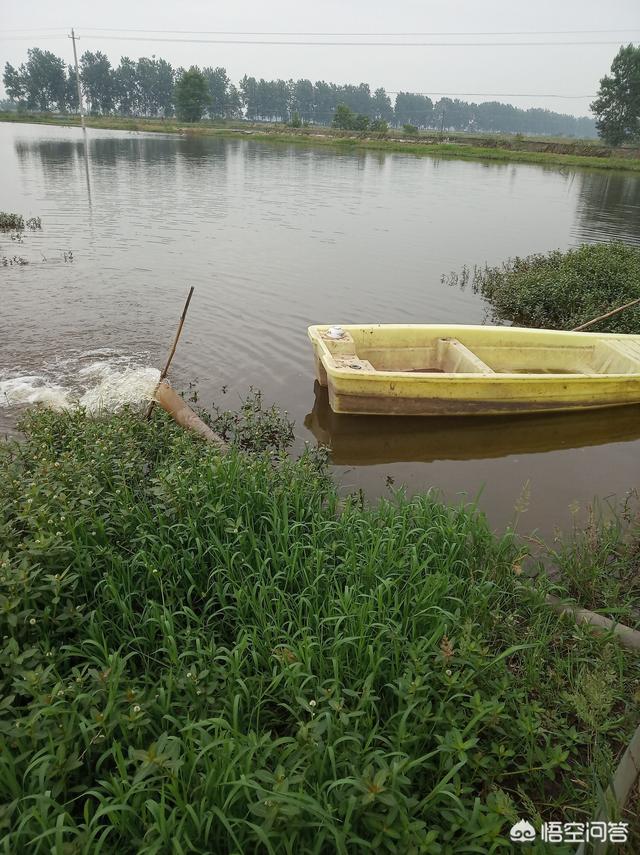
{"points": [[205, 654], [463, 151], [501, 148], [598, 565]]}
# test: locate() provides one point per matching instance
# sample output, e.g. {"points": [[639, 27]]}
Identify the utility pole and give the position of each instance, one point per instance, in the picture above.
{"points": [[75, 60]]}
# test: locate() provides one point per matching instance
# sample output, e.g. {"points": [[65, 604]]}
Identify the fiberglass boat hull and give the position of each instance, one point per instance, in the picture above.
{"points": [[432, 369]]}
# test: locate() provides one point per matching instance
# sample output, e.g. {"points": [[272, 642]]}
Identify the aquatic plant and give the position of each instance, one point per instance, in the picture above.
{"points": [[252, 426], [16, 223], [10, 221], [216, 654], [561, 290], [9, 261]]}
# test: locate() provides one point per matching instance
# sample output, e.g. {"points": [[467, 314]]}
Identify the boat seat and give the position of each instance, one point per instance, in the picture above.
{"points": [[354, 363], [455, 358]]}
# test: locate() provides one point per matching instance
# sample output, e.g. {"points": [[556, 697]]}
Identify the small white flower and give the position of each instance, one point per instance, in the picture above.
{"points": [[448, 672], [137, 708], [32, 621], [312, 703]]}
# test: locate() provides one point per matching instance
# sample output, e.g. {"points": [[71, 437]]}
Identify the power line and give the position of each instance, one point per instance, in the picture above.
{"points": [[32, 38], [34, 29], [364, 35], [487, 94], [91, 33], [346, 44]]}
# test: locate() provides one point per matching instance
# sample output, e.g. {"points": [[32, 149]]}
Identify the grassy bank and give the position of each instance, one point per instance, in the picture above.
{"points": [[205, 654], [580, 153]]}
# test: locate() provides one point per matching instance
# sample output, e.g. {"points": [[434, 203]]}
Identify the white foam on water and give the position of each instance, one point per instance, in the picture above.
{"points": [[33, 389], [106, 384], [117, 389]]}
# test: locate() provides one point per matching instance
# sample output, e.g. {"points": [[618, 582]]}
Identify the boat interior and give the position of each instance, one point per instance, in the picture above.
{"points": [[508, 355]]}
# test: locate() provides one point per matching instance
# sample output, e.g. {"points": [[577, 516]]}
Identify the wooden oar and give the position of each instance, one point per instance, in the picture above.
{"points": [[608, 315]]}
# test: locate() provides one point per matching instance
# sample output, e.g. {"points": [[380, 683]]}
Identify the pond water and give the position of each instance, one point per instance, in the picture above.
{"points": [[274, 238]]}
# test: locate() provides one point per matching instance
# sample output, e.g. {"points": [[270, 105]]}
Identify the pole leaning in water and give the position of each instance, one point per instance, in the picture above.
{"points": [[165, 370], [607, 315]]}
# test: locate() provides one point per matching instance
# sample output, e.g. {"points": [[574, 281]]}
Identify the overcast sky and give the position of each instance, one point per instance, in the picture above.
{"points": [[541, 70]]}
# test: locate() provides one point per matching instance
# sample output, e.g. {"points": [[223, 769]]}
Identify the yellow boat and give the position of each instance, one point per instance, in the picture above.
{"points": [[434, 369]]}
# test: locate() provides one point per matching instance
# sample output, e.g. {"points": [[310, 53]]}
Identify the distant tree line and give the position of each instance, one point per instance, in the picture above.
{"points": [[147, 87]]}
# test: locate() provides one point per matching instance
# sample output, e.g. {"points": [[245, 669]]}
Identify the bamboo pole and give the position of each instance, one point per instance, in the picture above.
{"points": [[607, 315], [165, 370]]}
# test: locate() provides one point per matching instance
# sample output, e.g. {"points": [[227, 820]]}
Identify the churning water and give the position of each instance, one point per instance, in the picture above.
{"points": [[105, 385]]}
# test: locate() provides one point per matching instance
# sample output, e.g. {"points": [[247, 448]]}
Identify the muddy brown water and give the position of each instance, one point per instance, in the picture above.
{"points": [[274, 238]]}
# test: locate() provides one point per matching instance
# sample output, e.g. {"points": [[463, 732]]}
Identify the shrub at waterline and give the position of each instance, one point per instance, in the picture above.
{"points": [[561, 290], [10, 221], [15, 222], [205, 654]]}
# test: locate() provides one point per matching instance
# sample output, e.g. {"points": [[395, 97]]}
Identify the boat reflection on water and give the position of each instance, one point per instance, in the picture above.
{"points": [[370, 440]]}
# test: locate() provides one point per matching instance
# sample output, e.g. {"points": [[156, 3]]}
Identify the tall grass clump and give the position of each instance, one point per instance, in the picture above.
{"points": [[214, 654], [598, 563], [561, 290]]}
